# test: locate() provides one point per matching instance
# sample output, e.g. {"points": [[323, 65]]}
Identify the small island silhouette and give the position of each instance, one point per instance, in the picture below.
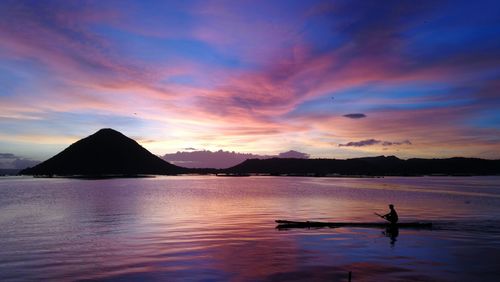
{"points": [[110, 153]]}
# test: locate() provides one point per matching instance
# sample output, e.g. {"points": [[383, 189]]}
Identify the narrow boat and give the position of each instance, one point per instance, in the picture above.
{"points": [[284, 224]]}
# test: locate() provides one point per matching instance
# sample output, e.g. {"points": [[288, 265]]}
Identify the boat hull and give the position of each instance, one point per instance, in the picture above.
{"points": [[284, 224]]}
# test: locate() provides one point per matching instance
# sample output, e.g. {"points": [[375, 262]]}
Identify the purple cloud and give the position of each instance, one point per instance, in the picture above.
{"points": [[355, 116], [361, 143], [371, 142], [387, 143]]}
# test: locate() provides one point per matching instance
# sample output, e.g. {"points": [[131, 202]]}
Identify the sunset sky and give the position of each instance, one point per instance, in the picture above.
{"points": [[334, 79]]}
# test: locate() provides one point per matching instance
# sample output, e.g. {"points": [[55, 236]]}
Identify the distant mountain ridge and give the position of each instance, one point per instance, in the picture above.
{"points": [[221, 159], [106, 152], [109, 152], [376, 166]]}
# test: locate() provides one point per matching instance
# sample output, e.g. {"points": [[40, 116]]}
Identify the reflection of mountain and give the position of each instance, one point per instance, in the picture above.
{"points": [[221, 159], [105, 152], [370, 166]]}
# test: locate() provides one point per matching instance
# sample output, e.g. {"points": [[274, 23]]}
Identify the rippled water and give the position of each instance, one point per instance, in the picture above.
{"points": [[222, 228]]}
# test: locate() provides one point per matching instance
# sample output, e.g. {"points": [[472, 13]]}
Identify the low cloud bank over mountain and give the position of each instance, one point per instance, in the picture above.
{"points": [[12, 161], [293, 155], [221, 159]]}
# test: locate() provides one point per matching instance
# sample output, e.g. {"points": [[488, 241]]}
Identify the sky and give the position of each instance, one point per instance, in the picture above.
{"points": [[333, 79]]}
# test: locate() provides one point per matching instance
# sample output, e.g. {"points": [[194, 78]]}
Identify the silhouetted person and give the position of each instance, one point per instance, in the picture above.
{"points": [[392, 216]]}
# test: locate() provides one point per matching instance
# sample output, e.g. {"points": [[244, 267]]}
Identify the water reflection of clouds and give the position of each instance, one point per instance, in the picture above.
{"points": [[414, 201], [376, 184], [415, 252], [361, 271], [216, 229]]}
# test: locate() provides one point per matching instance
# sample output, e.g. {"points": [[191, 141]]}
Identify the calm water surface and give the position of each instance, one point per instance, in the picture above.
{"points": [[222, 229]]}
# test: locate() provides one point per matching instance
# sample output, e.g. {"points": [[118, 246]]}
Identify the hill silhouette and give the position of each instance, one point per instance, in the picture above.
{"points": [[106, 152], [376, 166]]}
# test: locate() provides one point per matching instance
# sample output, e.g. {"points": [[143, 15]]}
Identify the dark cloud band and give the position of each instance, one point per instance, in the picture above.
{"points": [[371, 142], [355, 116]]}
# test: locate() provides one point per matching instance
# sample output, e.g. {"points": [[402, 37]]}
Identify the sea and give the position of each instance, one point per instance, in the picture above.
{"points": [[209, 228]]}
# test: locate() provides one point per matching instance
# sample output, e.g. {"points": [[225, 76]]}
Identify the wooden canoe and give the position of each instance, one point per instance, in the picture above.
{"points": [[316, 224]]}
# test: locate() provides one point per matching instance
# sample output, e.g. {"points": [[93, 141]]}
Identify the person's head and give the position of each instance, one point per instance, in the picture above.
{"points": [[391, 206]]}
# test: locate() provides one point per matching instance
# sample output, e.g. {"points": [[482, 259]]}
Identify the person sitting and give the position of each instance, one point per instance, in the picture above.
{"points": [[392, 216]]}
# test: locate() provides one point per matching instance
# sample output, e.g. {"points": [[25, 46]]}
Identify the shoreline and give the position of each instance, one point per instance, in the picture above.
{"points": [[111, 176]]}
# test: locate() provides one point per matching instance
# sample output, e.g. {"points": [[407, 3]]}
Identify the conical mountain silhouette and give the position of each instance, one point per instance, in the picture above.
{"points": [[106, 152]]}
